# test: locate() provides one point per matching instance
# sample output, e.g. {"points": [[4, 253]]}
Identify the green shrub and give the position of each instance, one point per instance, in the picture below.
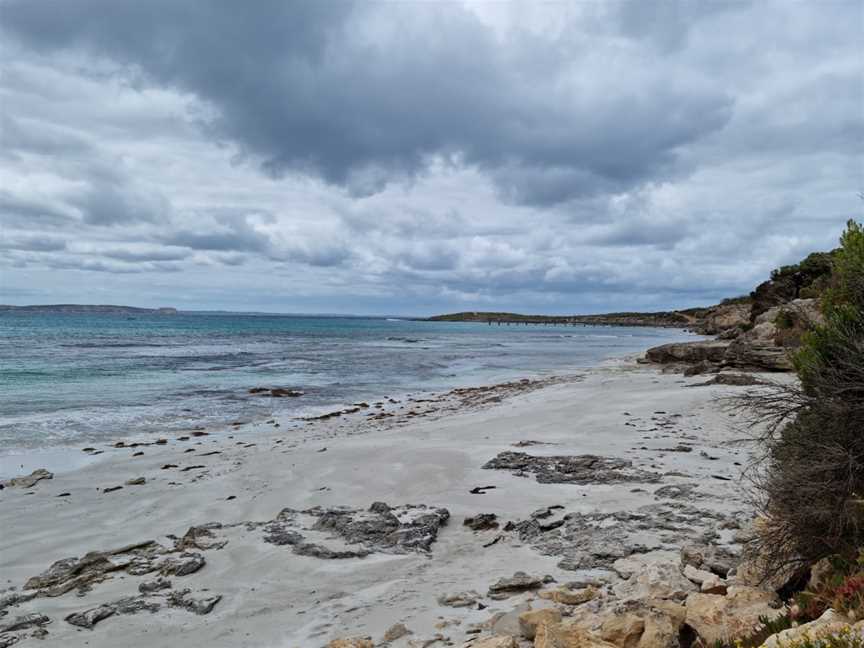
{"points": [[811, 485]]}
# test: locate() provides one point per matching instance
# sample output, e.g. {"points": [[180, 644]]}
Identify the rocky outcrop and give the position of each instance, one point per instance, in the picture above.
{"points": [[571, 469], [712, 351], [718, 618], [28, 481], [729, 316]]}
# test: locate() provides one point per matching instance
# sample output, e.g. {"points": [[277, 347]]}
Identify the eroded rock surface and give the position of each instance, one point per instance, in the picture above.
{"points": [[401, 529], [574, 469]]}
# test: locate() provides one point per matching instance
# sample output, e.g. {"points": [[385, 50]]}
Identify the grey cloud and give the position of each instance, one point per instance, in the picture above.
{"points": [[364, 94]]}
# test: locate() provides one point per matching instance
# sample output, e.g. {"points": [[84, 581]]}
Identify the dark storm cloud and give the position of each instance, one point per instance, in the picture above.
{"points": [[359, 98]]}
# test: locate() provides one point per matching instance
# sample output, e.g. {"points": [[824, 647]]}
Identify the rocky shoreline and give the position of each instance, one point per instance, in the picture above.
{"points": [[604, 503]]}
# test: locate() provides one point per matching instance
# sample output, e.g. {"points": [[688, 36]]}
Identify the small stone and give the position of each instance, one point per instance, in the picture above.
{"points": [[396, 631], [136, 481]]}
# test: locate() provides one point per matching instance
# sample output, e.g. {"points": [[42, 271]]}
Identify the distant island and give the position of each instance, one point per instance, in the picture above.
{"points": [[94, 309]]}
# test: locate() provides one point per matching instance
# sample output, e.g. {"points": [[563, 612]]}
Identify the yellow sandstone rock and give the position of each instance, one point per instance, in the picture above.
{"points": [[569, 597], [354, 642], [567, 636], [529, 621]]}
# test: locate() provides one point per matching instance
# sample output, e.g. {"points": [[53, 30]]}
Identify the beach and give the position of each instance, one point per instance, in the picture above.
{"points": [[668, 474]]}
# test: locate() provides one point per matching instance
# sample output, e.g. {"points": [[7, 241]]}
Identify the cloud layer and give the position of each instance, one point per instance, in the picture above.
{"points": [[415, 157]]}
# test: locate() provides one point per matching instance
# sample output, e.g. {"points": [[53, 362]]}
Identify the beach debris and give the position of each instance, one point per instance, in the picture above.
{"points": [[574, 469], [169, 466], [111, 489], [136, 481], [27, 481], [482, 522], [481, 490]]}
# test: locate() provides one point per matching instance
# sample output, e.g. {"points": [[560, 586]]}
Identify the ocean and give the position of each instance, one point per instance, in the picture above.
{"points": [[84, 378]]}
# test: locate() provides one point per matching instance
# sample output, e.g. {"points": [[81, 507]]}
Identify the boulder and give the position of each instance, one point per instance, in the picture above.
{"points": [[688, 352], [623, 630], [652, 575], [829, 623], [725, 317], [567, 636], [494, 642], [354, 642], [567, 596], [531, 620], [718, 618]]}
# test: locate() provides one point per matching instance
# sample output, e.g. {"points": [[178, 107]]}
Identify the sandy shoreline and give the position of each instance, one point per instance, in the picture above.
{"points": [[273, 596]]}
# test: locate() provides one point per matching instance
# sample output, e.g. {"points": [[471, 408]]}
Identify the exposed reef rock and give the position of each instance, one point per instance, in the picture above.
{"points": [[380, 529], [574, 469]]}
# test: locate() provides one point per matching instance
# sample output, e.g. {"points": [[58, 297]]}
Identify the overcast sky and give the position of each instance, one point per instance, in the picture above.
{"points": [[422, 157]]}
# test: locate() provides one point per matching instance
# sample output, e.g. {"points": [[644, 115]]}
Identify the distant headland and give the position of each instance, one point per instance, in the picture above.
{"points": [[95, 309]]}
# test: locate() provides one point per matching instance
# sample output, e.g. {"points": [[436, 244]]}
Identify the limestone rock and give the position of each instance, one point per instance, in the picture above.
{"points": [[530, 621], [571, 469], [688, 352], [567, 596], [459, 599], [829, 623], [494, 642], [567, 636], [28, 481], [623, 630], [652, 575], [24, 622], [396, 631], [482, 522], [354, 642], [518, 582], [91, 617], [716, 618]]}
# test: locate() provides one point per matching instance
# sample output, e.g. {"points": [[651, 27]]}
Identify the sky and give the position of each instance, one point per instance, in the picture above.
{"points": [[412, 158]]}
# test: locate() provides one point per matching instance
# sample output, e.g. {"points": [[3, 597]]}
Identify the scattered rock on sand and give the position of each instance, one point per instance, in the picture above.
{"points": [[89, 618], [396, 631], [202, 605], [136, 481], [25, 622], [518, 582], [28, 481], [460, 599], [148, 587], [354, 642], [482, 522]]}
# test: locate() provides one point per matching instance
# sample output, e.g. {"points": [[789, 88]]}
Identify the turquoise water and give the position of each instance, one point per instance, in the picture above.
{"points": [[81, 378]]}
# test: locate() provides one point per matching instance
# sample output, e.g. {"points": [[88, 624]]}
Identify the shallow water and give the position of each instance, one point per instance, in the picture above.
{"points": [[77, 378]]}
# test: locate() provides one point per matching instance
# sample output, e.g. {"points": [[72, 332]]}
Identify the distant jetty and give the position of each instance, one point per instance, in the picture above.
{"points": [[93, 309]]}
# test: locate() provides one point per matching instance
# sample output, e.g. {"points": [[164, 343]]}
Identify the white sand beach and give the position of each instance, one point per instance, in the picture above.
{"points": [[273, 596]]}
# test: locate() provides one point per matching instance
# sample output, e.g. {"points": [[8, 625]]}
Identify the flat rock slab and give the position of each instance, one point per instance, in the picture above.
{"points": [[401, 529], [572, 469]]}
